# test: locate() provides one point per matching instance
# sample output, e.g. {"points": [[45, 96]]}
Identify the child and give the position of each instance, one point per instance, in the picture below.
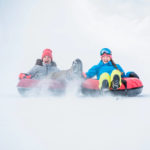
{"points": [[47, 68], [108, 73]]}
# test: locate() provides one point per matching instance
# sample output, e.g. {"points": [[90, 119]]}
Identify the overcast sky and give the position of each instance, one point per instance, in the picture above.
{"points": [[74, 28]]}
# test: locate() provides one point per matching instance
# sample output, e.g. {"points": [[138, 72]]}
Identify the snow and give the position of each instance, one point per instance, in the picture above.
{"points": [[75, 123], [73, 29]]}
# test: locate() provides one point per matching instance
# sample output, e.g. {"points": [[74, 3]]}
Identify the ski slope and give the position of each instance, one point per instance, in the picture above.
{"points": [[72, 122], [73, 29]]}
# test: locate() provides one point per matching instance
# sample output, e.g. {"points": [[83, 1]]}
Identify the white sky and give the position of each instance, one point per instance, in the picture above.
{"points": [[74, 29]]}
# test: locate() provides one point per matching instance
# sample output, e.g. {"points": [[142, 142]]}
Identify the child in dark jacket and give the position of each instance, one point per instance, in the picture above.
{"points": [[108, 73]]}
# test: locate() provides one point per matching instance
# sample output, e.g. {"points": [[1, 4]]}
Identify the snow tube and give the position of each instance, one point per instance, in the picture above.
{"points": [[31, 86], [129, 87]]}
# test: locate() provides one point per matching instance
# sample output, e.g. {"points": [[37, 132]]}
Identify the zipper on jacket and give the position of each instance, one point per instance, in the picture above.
{"points": [[46, 69]]}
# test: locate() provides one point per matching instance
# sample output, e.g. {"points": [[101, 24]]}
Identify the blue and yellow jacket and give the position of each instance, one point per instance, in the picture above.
{"points": [[102, 68]]}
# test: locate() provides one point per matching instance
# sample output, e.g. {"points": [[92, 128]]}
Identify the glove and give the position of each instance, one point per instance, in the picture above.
{"points": [[23, 76], [84, 75], [39, 62], [133, 74]]}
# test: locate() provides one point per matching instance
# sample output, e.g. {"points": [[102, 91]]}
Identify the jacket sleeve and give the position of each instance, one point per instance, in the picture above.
{"points": [[34, 70], [121, 70], [92, 72]]}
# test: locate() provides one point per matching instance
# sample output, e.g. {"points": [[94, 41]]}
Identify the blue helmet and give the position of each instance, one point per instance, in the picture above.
{"points": [[105, 50]]}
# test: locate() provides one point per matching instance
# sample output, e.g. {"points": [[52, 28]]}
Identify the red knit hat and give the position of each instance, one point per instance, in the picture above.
{"points": [[47, 52]]}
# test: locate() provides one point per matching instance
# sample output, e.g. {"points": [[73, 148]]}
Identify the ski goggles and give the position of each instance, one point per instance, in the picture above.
{"points": [[105, 51]]}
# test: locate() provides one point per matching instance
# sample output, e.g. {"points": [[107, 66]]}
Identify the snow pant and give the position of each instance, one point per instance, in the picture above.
{"points": [[109, 78]]}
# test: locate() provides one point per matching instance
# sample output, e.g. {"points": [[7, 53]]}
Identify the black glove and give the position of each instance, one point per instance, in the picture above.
{"points": [[39, 62], [133, 74]]}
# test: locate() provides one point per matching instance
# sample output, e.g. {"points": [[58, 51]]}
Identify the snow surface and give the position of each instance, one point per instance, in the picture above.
{"points": [[73, 29]]}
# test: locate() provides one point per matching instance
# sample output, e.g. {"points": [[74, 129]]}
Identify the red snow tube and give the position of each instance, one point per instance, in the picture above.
{"points": [[132, 87], [29, 86]]}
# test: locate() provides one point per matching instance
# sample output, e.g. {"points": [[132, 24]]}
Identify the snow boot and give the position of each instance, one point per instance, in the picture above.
{"points": [[104, 81], [115, 79], [77, 68], [115, 82], [105, 85]]}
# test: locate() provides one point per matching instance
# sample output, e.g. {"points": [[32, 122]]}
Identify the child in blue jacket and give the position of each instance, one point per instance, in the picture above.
{"points": [[108, 73]]}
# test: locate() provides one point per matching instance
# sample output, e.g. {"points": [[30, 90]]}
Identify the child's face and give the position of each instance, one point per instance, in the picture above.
{"points": [[47, 60], [105, 59]]}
